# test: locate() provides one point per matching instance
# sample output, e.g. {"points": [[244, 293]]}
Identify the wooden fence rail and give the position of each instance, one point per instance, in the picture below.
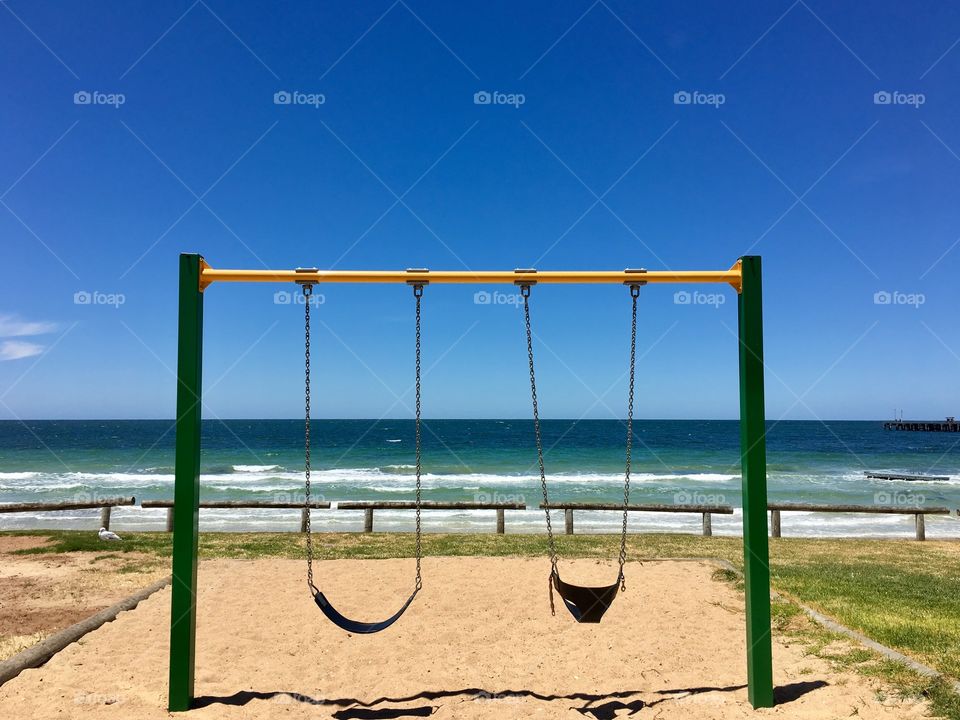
{"points": [[915, 510], [706, 511], [104, 505], [368, 506]]}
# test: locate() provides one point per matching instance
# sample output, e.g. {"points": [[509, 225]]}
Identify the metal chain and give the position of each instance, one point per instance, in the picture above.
{"points": [[307, 293], [525, 292], [634, 294], [418, 294]]}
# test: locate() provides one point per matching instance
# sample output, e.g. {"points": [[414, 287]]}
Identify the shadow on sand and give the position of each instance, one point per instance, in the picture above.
{"points": [[597, 706]]}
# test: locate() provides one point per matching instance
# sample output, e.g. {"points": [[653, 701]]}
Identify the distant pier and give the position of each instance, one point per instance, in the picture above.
{"points": [[905, 476], [948, 425]]}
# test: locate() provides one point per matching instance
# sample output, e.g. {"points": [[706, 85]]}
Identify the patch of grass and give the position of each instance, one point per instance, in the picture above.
{"points": [[911, 608], [728, 576], [67, 541], [13, 644], [843, 655]]}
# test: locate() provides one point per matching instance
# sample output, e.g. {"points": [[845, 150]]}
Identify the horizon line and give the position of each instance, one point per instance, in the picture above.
{"points": [[458, 419]]}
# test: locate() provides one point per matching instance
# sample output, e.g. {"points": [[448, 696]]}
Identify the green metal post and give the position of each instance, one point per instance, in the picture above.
{"points": [[753, 457], [186, 493]]}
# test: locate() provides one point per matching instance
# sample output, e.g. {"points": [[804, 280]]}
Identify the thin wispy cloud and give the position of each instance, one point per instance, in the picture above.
{"points": [[18, 349], [11, 326]]}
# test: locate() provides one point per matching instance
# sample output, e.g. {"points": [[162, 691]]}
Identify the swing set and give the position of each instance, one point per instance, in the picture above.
{"points": [[586, 604]]}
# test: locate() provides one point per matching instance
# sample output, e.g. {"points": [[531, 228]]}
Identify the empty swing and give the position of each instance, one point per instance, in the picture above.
{"points": [[337, 618], [586, 604]]}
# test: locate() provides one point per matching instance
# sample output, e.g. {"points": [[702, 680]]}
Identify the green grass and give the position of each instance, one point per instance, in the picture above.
{"points": [[790, 621], [901, 593]]}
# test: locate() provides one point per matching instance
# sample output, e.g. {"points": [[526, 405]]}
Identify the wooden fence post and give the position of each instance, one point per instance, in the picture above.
{"points": [[368, 520], [707, 525], [304, 518], [500, 521], [775, 523], [921, 528], [568, 521], [170, 519], [105, 517]]}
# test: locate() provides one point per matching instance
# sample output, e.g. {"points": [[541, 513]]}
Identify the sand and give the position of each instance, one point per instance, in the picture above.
{"points": [[42, 594], [479, 642]]}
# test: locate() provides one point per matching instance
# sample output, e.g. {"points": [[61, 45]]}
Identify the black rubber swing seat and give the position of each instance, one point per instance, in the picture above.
{"points": [[586, 604], [355, 626]]}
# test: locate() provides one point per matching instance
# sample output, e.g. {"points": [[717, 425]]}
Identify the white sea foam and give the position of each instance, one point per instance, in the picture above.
{"points": [[692, 477], [268, 477], [18, 475]]}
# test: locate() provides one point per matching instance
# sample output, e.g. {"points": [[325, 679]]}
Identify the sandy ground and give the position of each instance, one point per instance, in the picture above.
{"points": [[479, 642], [42, 594]]}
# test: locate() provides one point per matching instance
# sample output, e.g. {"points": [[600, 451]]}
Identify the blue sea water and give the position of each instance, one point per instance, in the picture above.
{"points": [[675, 461]]}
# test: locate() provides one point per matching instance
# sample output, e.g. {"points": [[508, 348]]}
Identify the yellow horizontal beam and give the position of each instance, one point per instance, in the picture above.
{"points": [[732, 276]]}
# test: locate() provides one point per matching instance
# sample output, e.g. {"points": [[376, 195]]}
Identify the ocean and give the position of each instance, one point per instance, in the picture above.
{"points": [[675, 461]]}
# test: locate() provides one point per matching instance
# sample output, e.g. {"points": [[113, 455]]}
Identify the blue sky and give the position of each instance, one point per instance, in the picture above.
{"points": [[785, 151]]}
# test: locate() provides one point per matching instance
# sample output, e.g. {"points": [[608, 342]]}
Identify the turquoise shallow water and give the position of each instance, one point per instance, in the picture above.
{"points": [[482, 460]]}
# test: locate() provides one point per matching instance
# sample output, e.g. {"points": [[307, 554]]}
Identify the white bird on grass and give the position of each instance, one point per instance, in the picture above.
{"points": [[105, 534]]}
